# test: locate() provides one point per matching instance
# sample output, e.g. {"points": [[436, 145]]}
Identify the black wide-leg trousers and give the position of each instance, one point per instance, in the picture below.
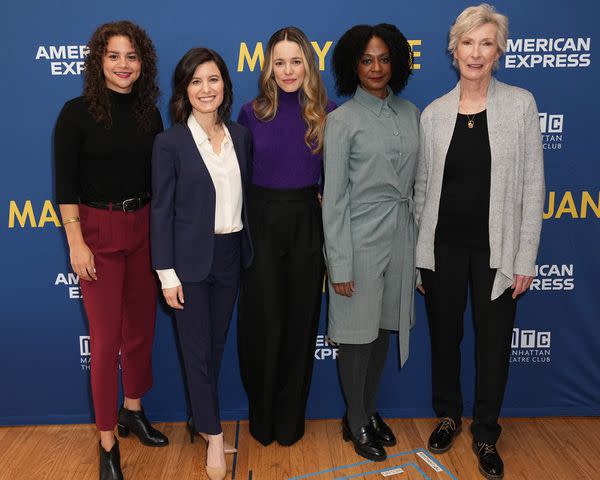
{"points": [[457, 269], [279, 309]]}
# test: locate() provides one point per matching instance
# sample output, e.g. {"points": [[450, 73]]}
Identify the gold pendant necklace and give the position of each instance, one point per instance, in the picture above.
{"points": [[471, 120]]}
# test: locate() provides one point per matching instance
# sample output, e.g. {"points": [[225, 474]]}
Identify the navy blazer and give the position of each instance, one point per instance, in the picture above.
{"points": [[183, 202]]}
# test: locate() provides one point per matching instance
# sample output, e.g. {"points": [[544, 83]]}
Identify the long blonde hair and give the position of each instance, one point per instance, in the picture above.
{"points": [[313, 94]]}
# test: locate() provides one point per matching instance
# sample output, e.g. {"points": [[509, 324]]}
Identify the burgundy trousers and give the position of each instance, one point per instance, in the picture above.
{"points": [[120, 307]]}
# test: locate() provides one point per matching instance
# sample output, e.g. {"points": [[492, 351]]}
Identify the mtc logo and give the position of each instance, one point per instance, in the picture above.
{"points": [[84, 346], [551, 123], [530, 339]]}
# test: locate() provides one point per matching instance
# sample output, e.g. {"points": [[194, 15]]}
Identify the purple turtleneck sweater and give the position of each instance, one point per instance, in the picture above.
{"points": [[281, 158]]}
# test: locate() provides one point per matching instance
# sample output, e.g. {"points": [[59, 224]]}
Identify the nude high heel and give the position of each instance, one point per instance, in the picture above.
{"points": [[228, 448], [216, 473]]}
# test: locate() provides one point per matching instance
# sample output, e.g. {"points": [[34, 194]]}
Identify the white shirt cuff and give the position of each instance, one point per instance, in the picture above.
{"points": [[168, 278]]}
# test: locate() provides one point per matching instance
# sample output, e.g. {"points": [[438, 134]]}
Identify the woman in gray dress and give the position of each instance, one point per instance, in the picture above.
{"points": [[370, 152], [479, 198]]}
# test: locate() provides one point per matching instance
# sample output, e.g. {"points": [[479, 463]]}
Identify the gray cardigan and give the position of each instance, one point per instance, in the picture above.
{"points": [[517, 188]]}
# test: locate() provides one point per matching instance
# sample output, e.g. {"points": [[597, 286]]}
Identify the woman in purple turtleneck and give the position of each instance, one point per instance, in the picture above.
{"points": [[280, 298]]}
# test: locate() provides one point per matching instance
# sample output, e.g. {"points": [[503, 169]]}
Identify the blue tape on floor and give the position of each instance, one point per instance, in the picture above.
{"points": [[404, 465], [437, 463], [395, 455]]}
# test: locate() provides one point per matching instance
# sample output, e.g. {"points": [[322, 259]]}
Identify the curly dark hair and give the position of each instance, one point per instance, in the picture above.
{"points": [[180, 105], [352, 45], [145, 88]]}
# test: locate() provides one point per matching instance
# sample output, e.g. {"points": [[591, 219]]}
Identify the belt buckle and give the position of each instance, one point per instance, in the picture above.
{"points": [[131, 205]]}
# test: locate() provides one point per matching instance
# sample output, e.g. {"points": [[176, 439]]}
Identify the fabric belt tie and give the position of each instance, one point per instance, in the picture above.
{"points": [[411, 204], [407, 200]]}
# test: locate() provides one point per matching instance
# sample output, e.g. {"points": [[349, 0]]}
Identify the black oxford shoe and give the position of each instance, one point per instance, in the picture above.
{"points": [[441, 438], [382, 430], [490, 463], [131, 421], [110, 463], [365, 443]]}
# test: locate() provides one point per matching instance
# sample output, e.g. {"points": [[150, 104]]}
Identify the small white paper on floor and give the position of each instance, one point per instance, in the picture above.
{"points": [[393, 471], [429, 461]]}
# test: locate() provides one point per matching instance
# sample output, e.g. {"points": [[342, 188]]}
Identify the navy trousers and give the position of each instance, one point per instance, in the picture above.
{"points": [[202, 327]]}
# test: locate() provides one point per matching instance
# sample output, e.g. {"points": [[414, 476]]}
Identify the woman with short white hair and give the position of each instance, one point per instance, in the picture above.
{"points": [[479, 196]]}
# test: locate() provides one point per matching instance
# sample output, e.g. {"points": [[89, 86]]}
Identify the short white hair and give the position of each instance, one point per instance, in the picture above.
{"points": [[474, 17]]}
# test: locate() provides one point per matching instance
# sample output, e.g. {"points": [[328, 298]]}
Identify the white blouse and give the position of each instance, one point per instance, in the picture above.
{"points": [[225, 174]]}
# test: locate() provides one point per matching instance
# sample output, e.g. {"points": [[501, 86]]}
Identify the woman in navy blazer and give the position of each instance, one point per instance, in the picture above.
{"points": [[199, 231]]}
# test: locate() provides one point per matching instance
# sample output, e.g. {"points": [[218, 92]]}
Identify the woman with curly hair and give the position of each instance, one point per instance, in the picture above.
{"points": [[370, 151], [280, 299], [102, 147]]}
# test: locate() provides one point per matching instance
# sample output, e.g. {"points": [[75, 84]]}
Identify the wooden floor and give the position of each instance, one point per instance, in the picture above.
{"points": [[532, 449]]}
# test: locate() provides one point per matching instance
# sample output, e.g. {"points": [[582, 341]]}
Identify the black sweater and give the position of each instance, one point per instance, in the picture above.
{"points": [[95, 163], [465, 200]]}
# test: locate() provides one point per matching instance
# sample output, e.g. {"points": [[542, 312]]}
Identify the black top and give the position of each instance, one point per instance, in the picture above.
{"points": [[465, 200], [95, 163]]}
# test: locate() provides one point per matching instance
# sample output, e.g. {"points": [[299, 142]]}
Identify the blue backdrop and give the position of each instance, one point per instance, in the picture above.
{"points": [[44, 349]]}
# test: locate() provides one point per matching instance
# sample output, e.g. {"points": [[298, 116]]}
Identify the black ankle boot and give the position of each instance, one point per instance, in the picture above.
{"points": [[137, 423], [366, 443], [110, 463]]}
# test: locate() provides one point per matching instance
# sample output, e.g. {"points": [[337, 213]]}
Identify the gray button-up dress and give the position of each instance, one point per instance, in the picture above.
{"points": [[370, 154]]}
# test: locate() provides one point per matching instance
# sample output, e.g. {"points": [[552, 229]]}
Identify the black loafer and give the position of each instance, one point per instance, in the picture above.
{"points": [[490, 463], [382, 430], [131, 421], [441, 438], [365, 443], [110, 463]]}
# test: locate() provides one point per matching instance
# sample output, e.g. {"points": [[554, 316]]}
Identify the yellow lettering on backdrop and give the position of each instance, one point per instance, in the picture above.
{"points": [[258, 55], [48, 215], [244, 56], [321, 53], [416, 53], [22, 216], [25, 217], [586, 199], [550, 212], [567, 205]]}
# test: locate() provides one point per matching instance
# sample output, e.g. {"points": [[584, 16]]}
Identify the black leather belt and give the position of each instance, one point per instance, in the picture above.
{"points": [[129, 205]]}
